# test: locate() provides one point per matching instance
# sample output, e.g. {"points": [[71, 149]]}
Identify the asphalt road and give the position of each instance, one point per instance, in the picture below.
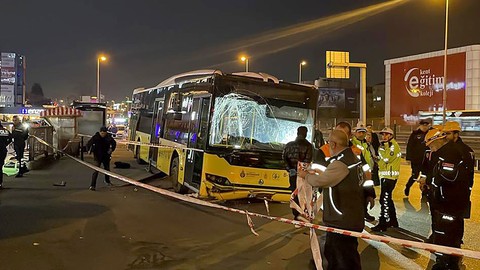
{"points": [[49, 227]]}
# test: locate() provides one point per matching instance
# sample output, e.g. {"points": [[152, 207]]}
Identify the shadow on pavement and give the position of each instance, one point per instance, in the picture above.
{"points": [[18, 220]]}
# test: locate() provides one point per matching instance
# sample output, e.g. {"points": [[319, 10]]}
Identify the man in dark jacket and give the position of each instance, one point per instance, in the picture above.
{"points": [[296, 151], [5, 140], [102, 145], [19, 135], [415, 152], [452, 131], [449, 195], [343, 201]]}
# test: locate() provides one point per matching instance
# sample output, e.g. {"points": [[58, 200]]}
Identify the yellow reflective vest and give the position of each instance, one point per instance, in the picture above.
{"points": [[390, 157]]}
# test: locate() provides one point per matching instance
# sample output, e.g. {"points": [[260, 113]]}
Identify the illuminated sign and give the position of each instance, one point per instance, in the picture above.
{"points": [[31, 111], [417, 85]]}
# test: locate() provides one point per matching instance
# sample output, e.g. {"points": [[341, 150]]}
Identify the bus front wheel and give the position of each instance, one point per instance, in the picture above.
{"points": [[177, 187]]}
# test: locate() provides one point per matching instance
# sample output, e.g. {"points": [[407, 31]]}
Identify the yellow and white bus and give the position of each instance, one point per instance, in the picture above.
{"points": [[222, 135]]}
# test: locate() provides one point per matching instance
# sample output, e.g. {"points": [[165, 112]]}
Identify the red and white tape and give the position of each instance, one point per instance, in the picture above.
{"points": [[384, 239]]}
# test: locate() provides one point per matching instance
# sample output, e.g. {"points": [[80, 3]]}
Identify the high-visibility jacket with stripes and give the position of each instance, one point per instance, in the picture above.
{"points": [[390, 158]]}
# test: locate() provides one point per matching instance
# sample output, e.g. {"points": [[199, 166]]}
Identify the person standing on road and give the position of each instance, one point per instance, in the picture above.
{"points": [[416, 152], [375, 144], [343, 200], [452, 131], [19, 135], [102, 145], [389, 170], [112, 129], [5, 140], [449, 195], [299, 150], [369, 191]]}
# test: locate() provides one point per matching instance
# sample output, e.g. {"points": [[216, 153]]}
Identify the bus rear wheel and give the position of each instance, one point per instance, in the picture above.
{"points": [[177, 187]]}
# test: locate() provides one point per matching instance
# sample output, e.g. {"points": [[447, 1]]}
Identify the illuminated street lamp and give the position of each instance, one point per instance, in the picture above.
{"points": [[245, 59], [101, 58], [445, 65], [303, 63]]}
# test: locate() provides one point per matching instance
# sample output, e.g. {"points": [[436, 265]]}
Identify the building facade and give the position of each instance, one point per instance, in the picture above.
{"points": [[414, 84], [12, 79]]}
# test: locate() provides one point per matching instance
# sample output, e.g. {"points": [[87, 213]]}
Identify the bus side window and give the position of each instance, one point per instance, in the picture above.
{"points": [[203, 122]]}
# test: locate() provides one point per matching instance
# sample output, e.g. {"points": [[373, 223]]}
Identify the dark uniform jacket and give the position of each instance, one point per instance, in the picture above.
{"points": [[5, 139], [101, 148], [344, 203], [450, 181], [19, 134], [299, 150], [416, 147], [469, 157]]}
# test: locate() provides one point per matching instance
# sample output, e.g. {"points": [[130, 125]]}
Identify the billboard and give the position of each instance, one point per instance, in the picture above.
{"points": [[8, 80], [331, 98], [417, 85]]}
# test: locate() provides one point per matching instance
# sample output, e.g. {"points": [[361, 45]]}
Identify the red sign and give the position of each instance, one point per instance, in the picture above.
{"points": [[418, 85]]}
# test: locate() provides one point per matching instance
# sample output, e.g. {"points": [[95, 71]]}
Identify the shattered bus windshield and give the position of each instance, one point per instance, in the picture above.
{"points": [[250, 122]]}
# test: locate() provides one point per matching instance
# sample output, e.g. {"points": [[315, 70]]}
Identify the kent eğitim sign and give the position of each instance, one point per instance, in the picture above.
{"points": [[417, 85]]}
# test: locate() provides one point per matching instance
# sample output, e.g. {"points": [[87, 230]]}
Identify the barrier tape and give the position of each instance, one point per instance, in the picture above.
{"points": [[158, 145], [383, 239]]}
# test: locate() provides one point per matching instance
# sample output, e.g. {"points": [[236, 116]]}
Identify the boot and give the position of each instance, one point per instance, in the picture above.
{"points": [[393, 223], [381, 226]]}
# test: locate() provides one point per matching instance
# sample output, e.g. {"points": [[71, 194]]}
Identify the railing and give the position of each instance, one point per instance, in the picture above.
{"points": [[35, 148]]}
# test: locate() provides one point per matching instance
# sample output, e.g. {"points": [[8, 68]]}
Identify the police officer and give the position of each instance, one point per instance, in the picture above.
{"points": [[359, 140], [415, 152], [20, 135], [449, 195], [5, 140], [299, 150], [389, 170]]}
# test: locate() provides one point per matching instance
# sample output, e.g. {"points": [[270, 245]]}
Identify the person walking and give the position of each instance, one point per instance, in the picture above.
{"points": [[343, 178], [449, 195], [5, 140], [416, 152], [102, 146], [19, 135], [299, 150], [389, 170]]}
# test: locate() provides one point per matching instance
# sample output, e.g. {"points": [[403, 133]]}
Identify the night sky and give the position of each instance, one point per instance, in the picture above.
{"points": [[148, 41]]}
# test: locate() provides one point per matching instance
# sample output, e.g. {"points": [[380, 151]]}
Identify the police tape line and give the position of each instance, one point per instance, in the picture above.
{"points": [[383, 239], [158, 145]]}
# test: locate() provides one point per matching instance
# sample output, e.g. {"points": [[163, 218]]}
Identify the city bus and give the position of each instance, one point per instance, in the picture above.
{"points": [[221, 135]]}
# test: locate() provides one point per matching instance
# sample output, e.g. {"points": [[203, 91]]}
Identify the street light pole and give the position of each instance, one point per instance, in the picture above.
{"points": [[245, 59], [302, 63], [445, 65], [101, 58]]}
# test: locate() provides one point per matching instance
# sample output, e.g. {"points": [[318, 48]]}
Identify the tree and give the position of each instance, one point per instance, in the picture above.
{"points": [[36, 96]]}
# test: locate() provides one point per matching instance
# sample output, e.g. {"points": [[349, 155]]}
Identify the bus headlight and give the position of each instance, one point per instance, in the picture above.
{"points": [[218, 179]]}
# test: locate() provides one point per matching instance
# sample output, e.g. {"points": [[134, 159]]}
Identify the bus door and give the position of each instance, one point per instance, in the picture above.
{"points": [[197, 140], [156, 130]]}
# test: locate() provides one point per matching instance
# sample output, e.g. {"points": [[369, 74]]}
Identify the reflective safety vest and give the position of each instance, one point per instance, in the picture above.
{"points": [[343, 204], [390, 157], [363, 146]]}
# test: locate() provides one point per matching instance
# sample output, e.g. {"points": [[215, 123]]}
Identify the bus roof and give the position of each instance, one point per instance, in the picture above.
{"points": [[187, 76]]}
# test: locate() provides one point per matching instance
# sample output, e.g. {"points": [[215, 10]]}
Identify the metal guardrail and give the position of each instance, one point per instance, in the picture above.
{"points": [[35, 148]]}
